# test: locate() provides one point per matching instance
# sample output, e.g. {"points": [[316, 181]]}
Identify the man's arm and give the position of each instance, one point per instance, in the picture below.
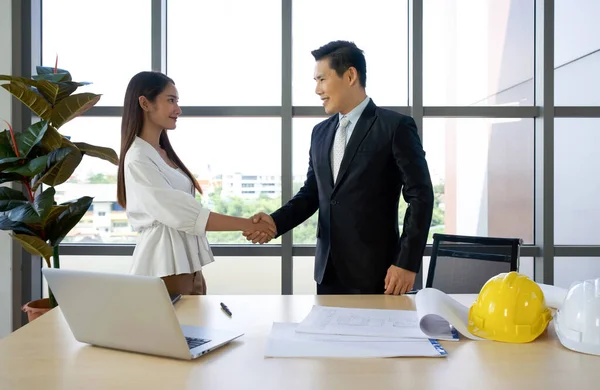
{"points": [[417, 192], [297, 210]]}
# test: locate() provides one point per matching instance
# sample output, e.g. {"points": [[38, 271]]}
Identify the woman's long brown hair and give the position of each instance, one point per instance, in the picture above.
{"points": [[150, 85]]}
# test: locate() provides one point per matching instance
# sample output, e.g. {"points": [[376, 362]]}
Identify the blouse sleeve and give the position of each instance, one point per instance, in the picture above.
{"points": [[154, 196]]}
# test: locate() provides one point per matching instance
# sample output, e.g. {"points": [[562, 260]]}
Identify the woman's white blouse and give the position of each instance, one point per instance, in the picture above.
{"points": [[161, 206]]}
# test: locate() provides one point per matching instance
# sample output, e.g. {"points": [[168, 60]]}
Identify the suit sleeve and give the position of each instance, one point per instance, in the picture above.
{"points": [[417, 192], [302, 206]]}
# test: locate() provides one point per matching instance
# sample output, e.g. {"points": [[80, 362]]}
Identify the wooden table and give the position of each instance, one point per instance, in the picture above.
{"points": [[44, 355]]}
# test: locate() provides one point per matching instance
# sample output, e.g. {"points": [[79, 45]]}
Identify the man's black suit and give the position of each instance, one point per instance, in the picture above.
{"points": [[358, 214]]}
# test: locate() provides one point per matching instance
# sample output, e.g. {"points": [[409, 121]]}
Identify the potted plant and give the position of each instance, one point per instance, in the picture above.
{"points": [[40, 158]]}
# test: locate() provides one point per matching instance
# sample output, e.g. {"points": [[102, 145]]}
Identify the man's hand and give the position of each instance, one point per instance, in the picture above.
{"points": [[398, 281], [257, 236]]}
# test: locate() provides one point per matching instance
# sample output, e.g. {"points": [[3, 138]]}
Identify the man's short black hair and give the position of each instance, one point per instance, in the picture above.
{"points": [[343, 55]]}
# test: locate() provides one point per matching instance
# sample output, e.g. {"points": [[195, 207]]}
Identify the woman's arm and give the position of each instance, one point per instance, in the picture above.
{"points": [[153, 195], [219, 222]]}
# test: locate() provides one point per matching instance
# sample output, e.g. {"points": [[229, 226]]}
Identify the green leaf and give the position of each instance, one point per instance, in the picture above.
{"points": [[10, 177], [54, 91], [55, 77], [52, 140], [49, 70], [10, 162], [67, 88], [35, 246], [43, 202], [61, 164], [71, 107], [31, 99], [31, 137], [98, 151], [33, 213], [55, 211], [57, 230], [6, 148], [17, 227], [48, 89], [10, 199], [18, 79], [31, 168]]}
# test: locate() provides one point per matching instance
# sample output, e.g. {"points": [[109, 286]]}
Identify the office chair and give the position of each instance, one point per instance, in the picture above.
{"points": [[462, 264]]}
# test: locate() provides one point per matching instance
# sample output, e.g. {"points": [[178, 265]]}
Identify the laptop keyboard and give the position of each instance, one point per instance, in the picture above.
{"points": [[193, 342]]}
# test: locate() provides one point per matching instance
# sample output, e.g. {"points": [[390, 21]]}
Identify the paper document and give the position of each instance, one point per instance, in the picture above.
{"points": [[362, 322], [553, 296], [284, 341], [439, 312], [437, 316]]}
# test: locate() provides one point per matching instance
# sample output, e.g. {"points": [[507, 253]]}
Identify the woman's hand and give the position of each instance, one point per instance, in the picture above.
{"points": [[262, 230]]}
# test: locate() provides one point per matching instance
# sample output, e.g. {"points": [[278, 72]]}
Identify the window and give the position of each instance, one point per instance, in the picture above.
{"points": [[212, 148], [253, 275], [305, 233], [224, 154], [304, 279], [576, 207], [96, 178], [226, 52], [106, 49], [478, 52], [568, 270], [379, 29], [576, 55], [482, 172]]}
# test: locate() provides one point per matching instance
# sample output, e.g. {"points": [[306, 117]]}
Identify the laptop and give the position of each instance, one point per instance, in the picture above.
{"points": [[129, 313]]}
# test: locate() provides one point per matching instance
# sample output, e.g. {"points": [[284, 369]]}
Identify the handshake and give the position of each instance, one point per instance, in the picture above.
{"points": [[263, 229]]}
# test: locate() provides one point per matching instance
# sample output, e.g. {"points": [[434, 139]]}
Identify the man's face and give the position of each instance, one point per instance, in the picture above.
{"points": [[331, 88]]}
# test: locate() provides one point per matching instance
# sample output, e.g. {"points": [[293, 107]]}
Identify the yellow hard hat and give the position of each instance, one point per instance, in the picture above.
{"points": [[510, 308]]}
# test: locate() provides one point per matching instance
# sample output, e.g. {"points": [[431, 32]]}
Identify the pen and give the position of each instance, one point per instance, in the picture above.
{"points": [[226, 309]]}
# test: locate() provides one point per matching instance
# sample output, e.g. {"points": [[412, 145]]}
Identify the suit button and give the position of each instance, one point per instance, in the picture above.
{"points": [[334, 202]]}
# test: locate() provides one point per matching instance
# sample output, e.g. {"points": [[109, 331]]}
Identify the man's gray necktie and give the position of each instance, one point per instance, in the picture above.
{"points": [[339, 146]]}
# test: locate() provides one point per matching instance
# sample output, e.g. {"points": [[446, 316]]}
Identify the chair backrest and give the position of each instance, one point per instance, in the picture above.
{"points": [[462, 264]]}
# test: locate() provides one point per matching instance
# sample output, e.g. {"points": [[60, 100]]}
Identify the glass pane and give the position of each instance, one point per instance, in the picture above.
{"points": [[253, 275], [304, 279], [226, 52], [478, 52], [305, 233], [482, 171], [576, 55], [526, 266], [576, 159], [568, 270], [104, 43], [106, 221], [244, 275], [238, 164], [380, 30], [236, 160]]}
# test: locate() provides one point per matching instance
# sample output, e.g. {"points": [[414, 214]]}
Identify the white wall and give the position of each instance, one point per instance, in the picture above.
{"points": [[5, 110]]}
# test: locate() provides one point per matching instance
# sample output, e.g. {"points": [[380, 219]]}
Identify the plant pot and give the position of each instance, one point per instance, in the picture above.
{"points": [[36, 308]]}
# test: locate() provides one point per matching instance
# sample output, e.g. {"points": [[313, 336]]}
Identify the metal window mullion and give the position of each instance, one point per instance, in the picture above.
{"points": [[577, 112], [158, 33], [416, 42], [287, 243], [26, 54], [481, 111], [543, 267]]}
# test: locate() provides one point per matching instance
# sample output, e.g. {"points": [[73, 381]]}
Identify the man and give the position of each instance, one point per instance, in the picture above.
{"points": [[360, 159]]}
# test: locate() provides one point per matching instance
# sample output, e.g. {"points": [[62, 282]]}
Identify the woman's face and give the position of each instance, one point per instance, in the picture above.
{"points": [[165, 110]]}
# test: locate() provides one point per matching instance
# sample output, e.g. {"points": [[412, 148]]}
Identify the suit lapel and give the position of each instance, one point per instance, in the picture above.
{"points": [[358, 134], [327, 145]]}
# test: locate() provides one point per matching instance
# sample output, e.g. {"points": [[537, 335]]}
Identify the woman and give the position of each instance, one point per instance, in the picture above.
{"points": [[158, 191]]}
